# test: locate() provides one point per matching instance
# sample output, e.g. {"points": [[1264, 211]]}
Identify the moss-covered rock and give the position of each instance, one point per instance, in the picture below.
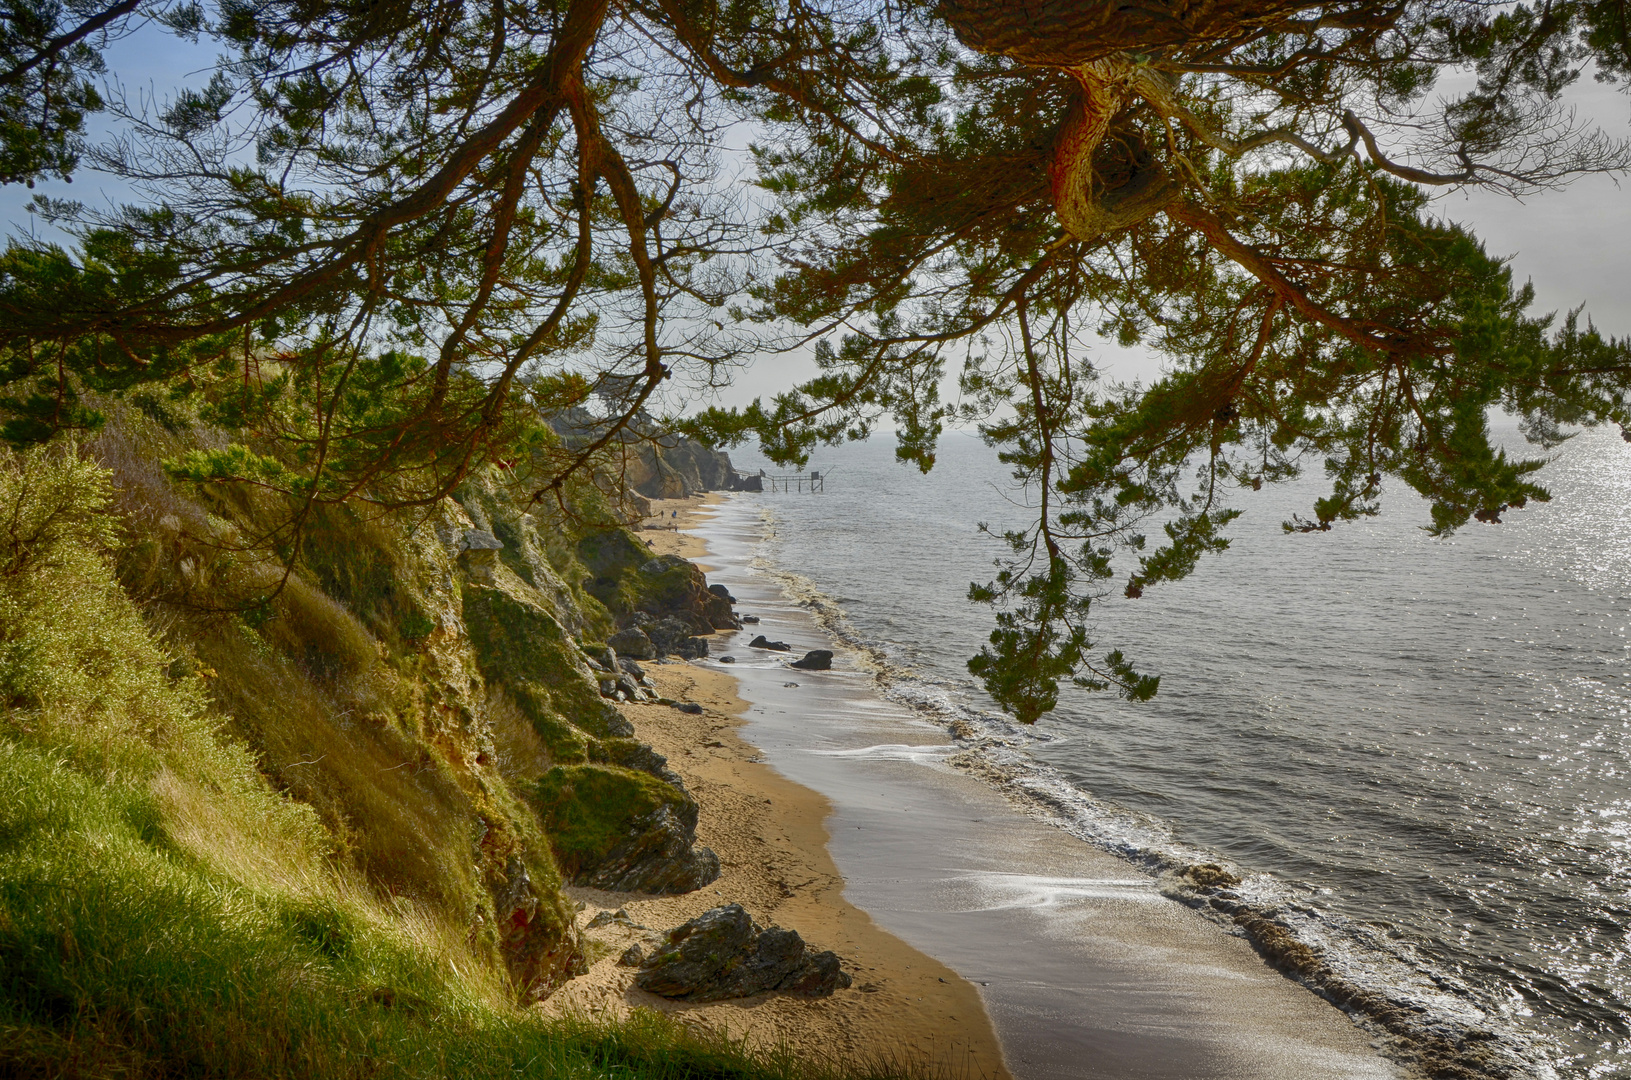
{"points": [[628, 581], [616, 828]]}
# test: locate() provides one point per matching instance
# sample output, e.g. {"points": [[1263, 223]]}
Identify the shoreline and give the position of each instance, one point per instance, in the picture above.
{"points": [[1088, 968], [904, 1007]]}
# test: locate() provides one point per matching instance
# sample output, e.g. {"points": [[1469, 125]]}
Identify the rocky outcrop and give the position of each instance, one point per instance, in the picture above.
{"points": [[538, 958], [631, 584], [636, 755], [721, 954], [672, 586], [618, 828], [521, 648]]}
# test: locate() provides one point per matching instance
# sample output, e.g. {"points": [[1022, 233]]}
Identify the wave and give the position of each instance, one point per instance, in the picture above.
{"points": [[1419, 1014]]}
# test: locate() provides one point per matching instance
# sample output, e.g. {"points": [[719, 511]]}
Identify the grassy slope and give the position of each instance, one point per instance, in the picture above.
{"points": [[184, 892]]}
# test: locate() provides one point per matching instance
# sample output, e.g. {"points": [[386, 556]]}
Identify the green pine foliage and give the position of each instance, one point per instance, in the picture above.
{"points": [[456, 220]]}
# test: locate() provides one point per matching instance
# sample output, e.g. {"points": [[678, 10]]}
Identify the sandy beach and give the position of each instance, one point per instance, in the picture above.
{"points": [[771, 837]]}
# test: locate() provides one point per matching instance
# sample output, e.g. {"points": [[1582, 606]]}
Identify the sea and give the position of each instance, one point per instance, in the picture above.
{"points": [[1417, 749]]}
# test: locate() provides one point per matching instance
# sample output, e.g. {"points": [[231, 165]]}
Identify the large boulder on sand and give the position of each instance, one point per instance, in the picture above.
{"points": [[761, 642], [721, 954], [815, 660]]}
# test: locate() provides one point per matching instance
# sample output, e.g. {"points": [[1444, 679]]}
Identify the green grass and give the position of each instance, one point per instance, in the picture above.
{"points": [[124, 954], [165, 912]]}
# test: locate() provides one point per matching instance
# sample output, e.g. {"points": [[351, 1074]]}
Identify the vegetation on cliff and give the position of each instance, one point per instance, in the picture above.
{"points": [[254, 831]]}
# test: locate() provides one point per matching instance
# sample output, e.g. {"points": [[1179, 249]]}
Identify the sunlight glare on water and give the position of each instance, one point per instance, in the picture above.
{"points": [[1430, 738]]}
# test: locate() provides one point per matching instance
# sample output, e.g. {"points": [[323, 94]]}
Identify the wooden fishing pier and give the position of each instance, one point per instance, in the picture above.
{"points": [[814, 482]]}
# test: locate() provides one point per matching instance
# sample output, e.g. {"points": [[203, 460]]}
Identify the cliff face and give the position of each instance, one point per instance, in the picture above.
{"points": [[652, 463], [415, 697]]}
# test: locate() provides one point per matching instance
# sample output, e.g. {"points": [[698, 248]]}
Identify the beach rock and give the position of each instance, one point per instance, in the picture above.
{"points": [[628, 666], [632, 956], [690, 707], [727, 659], [748, 618], [815, 660], [721, 591], [761, 642], [721, 954], [817, 974], [616, 828], [677, 637], [605, 918], [668, 632], [657, 857], [633, 642]]}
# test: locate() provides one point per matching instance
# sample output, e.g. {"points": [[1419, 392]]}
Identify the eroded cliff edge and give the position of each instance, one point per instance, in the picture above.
{"points": [[422, 695]]}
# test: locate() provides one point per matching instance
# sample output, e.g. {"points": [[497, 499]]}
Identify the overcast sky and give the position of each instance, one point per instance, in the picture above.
{"points": [[1575, 245]]}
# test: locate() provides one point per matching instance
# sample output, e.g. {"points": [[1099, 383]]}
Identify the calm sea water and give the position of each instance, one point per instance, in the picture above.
{"points": [[1427, 741]]}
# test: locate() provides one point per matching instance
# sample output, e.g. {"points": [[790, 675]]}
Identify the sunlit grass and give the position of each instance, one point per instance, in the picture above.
{"points": [[165, 912]]}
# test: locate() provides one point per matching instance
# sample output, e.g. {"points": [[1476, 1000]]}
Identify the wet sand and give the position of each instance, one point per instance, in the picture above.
{"points": [[1085, 969], [904, 1008]]}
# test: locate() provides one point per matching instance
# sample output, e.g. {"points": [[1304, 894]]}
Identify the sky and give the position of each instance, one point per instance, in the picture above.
{"points": [[1574, 245]]}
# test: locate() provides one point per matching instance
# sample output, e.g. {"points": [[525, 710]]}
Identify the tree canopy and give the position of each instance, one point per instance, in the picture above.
{"points": [[383, 232]]}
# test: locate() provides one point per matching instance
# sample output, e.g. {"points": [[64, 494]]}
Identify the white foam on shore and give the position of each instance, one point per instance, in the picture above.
{"points": [[1424, 1006], [895, 752], [1033, 891]]}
